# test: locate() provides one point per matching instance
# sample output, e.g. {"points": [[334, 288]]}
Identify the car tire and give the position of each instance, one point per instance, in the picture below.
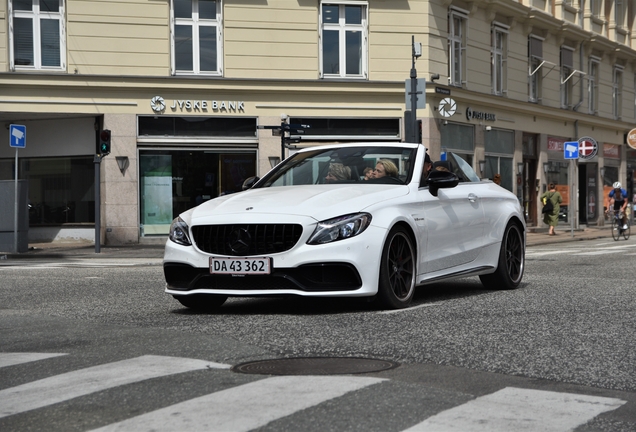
{"points": [[397, 270], [511, 261], [201, 302]]}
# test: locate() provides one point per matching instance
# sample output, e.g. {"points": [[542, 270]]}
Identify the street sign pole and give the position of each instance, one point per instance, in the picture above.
{"points": [[15, 209], [17, 139], [413, 125]]}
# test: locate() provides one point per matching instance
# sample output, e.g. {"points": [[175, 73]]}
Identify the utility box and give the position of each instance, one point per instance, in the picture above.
{"points": [[7, 215]]}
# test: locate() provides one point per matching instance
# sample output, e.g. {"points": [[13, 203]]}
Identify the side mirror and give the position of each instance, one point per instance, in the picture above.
{"points": [[249, 182], [441, 180]]}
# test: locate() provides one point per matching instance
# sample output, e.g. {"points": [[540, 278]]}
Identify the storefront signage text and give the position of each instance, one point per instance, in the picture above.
{"points": [[158, 105], [203, 105], [611, 151], [479, 115]]}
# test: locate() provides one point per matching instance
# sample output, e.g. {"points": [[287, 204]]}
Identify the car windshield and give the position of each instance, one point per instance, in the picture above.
{"points": [[389, 165]]}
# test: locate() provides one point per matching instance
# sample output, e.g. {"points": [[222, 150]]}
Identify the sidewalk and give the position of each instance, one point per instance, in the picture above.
{"points": [[53, 251]]}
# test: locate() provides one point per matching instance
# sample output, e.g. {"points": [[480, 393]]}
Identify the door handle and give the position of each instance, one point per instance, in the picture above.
{"points": [[472, 197]]}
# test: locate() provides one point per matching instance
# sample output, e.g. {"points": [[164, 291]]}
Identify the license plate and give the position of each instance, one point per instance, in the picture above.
{"points": [[240, 266]]}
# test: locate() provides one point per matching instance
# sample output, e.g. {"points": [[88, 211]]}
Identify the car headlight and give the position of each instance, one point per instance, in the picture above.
{"points": [[340, 228], [179, 232]]}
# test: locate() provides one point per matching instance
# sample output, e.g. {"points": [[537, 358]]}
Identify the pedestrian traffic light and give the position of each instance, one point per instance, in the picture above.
{"points": [[104, 142]]}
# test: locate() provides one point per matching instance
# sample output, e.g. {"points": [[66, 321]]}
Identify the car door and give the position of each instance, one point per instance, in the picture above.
{"points": [[451, 227]]}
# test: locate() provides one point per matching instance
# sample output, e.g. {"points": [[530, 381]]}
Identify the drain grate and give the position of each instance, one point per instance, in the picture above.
{"points": [[314, 366]]}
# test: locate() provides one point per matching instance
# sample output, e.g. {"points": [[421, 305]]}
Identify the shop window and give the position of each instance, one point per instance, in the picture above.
{"points": [[191, 126], [173, 181], [459, 139], [499, 59], [458, 23], [343, 129], [499, 147], [196, 37], [61, 190], [343, 47], [36, 34]]}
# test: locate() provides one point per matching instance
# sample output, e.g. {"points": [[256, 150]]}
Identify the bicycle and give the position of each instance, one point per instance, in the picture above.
{"points": [[617, 226]]}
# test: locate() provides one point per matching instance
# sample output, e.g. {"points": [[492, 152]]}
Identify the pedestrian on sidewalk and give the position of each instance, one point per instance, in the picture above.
{"points": [[552, 218]]}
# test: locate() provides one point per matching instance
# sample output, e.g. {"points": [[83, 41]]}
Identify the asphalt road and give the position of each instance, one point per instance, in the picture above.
{"points": [[568, 329]]}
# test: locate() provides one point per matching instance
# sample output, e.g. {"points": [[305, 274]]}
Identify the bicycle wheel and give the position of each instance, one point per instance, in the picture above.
{"points": [[616, 227], [626, 232]]}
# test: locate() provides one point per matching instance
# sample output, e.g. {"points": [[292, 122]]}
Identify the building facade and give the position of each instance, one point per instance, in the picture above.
{"points": [[188, 89]]}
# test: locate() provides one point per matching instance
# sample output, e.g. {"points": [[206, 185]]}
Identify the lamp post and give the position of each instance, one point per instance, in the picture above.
{"points": [[482, 166], [416, 52]]}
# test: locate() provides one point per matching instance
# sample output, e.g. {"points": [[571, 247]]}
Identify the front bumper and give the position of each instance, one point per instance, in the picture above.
{"points": [[346, 268]]}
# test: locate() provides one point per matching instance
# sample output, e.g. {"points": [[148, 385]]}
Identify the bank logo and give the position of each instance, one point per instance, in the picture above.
{"points": [[447, 107], [158, 104]]}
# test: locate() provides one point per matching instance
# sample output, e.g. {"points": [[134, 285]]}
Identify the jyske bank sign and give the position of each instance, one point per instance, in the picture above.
{"points": [[158, 105]]}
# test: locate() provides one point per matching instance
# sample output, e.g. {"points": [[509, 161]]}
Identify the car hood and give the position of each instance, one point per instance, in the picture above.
{"points": [[319, 202]]}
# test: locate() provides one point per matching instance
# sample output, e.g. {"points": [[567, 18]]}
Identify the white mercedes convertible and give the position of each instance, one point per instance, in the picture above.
{"points": [[316, 226]]}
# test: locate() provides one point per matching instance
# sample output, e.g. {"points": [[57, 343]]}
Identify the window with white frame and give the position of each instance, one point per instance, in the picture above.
{"points": [[567, 69], [595, 7], [592, 85], [499, 59], [619, 12], [617, 92], [457, 22], [535, 59], [343, 36], [196, 37], [36, 34]]}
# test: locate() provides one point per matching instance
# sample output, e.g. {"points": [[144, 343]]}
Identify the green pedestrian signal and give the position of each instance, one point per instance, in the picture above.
{"points": [[104, 142]]}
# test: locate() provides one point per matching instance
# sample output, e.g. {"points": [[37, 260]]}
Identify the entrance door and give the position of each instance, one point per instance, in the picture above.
{"points": [[529, 182]]}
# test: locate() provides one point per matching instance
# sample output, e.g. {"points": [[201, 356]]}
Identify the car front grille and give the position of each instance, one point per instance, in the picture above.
{"points": [[246, 239], [308, 278]]}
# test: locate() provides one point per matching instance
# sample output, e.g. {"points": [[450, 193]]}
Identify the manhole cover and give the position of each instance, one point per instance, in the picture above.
{"points": [[315, 366]]}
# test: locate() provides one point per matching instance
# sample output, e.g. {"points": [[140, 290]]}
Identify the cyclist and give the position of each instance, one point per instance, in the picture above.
{"points": [[618, 201]]}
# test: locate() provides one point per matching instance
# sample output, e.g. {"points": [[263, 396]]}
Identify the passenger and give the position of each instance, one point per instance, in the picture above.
{"points": [[368, 173], [428, 164], [385, 168], [338, 172], [441, 166]]}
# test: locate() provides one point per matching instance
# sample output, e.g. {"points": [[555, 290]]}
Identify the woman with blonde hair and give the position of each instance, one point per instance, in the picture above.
{"points": [[337, 172], [385, 168]]}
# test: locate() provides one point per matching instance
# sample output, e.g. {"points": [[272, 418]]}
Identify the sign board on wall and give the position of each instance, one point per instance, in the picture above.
{"points": [[631, 138], [611, 151]]}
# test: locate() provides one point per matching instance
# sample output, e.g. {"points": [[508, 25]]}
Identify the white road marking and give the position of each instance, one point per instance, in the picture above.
{"points": [[70, 385], [533, 254], [10, 359], [386, 312], [515, 409], [247, 406]]}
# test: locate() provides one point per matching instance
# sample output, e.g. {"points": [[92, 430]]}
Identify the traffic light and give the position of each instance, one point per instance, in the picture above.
{"points": [[104, 142], [418, 130]]}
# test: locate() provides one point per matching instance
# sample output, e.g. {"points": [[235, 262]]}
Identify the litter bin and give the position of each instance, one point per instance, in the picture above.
{"points": [[7, 215]]}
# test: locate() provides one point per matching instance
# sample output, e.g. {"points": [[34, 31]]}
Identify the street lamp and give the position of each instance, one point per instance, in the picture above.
{"points": [[520, 168], [546, 167], [273, 161], [416, 52], [482, 166], [602, 169]]}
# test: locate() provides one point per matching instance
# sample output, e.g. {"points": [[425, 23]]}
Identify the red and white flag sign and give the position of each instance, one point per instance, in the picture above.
{"points": [[588, 148]]}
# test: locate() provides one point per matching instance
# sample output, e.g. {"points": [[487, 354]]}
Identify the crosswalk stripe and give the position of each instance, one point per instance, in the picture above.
{"points": [[515, 409], [247, 406], [10, 359], [70, 385]]}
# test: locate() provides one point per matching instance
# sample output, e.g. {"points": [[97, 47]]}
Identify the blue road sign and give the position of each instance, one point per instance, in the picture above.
{"points": [[17, 136], [571, 150]]}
